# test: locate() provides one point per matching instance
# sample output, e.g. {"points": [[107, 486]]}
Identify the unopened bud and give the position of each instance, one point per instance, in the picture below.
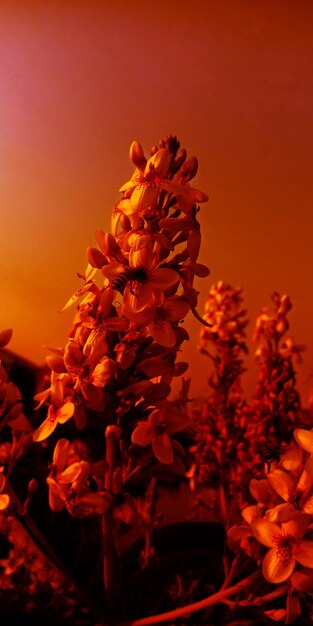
{"points": [[117, 481], [5, 337], [96, 258], [179, 160], [189, 169], [113, 432], [32, 488], [137, 155]]}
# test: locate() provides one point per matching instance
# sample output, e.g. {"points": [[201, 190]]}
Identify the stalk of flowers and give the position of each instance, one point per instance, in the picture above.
{"points": [[276, 406], [221, 453], [277, 532], [114, 374]]}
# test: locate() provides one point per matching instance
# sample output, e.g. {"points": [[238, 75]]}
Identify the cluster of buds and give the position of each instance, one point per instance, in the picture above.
{"points": [[220, 453], [114, 374], [277, 531], [276, 404]]}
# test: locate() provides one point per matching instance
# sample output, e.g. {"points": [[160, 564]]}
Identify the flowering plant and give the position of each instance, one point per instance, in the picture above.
{"points": [[277, 531], [113, 378]]}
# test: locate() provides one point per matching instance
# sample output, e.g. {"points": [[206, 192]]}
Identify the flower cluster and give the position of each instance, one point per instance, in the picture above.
{"points": [[276, 403], [221, 451], [236, 438], [278, 530], [116, 369]]}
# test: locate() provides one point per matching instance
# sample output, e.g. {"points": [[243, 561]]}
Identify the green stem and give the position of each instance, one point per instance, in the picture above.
{"points": [[196, 606]]}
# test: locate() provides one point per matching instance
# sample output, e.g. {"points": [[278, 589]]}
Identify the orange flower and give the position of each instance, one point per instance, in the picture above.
{"points": [[158, 317], [56, 415], [59, 411], [157, 430], [286, 547], [297, 493], [139, 281]]}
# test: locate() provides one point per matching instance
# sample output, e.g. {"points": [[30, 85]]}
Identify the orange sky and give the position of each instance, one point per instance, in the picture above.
{"points": [[81, 79]]}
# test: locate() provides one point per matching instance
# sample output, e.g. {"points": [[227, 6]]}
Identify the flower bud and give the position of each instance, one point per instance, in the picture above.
{"points": [[113, 432], [137, 156], [189, 169]]}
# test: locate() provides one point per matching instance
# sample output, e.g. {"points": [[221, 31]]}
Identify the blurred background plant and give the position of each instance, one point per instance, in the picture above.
{"points": [[237, 437]]}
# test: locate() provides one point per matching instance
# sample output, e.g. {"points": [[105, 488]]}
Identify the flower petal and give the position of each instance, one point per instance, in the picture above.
{"points": [[296, 527], [163, 333], [45, 429], [292, 459], [302, 580], [60, 454], [277, 567], [56, 502], [163, 449], [283, 483], [142, 435], [304, 553], [282, 513], [304, 439], [176, 308], [4, 501], [266, 532], [162, 278], [65, 412]]}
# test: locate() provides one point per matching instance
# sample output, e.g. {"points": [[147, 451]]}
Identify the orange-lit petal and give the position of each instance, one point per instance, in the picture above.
{"points": [[142, 435], [65, 412], [278, 565], [56, 502], [252, 512], [292, 459], [45, 429], [4, 501], [304, 553], [71, 473], [302, 580], [113, 270], [281, 513], [304, 439], [102, 373], [138, 298], [163, 333], [144, 196], [308, 506], [266, 532], [283, 483], [60, 454], [163, 449], [296, 527], [261, 490], [235, 533], [176, 308], [162, 278]]}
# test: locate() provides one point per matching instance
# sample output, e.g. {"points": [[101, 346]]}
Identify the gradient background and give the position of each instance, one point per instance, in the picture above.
{"points": [[81, 79]]}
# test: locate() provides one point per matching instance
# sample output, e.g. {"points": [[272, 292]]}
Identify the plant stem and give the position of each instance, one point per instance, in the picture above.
{"points": [[112, 435], [196, 606]]}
